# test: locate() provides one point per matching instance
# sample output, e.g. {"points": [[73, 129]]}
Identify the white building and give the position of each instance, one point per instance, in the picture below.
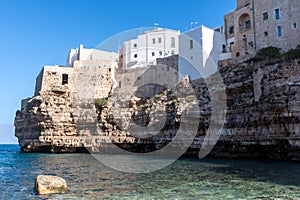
{"points": [[200, 50], [144, 50], [84, 54]]}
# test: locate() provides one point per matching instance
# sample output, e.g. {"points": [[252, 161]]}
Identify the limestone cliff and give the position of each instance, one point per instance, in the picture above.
{"points": [[263, 116]]}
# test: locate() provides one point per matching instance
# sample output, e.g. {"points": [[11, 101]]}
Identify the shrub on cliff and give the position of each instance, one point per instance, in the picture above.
{"points": [[99, 102], [268, 56], [292, 54]]}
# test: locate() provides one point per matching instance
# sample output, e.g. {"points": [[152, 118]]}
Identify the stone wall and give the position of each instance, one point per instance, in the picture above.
{"points": [[266, 30], [262, 32], [51, 76], [243, 3], [242, 36]]}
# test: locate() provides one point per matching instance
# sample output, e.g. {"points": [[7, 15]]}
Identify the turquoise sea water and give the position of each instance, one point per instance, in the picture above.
{"points": [[184, 179]]}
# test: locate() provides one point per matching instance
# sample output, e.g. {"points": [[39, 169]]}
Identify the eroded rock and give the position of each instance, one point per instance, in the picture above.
{"points": [[50, 185]]}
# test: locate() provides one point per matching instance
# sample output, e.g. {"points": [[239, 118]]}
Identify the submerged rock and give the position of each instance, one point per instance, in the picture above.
{"points": [[50, 184]]}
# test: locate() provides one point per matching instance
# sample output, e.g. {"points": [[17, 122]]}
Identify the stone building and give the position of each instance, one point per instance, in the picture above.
{"points": [[147, 47], [256, 24], [90, 68]]}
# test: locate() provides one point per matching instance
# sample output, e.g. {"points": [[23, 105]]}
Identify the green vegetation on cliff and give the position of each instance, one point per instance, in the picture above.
{"points": [[272, 55]]}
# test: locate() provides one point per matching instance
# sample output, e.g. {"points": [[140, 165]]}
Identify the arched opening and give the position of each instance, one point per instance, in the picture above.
{"points": [[244, 22]]}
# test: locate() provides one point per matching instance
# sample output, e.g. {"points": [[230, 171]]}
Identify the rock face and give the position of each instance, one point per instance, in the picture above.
{"points": [[263, 114], [50, 185], [45, 122], [262, 120]]}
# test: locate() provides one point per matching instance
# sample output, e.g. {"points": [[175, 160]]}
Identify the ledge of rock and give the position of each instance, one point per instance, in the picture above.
{"points": [[50, 185]]}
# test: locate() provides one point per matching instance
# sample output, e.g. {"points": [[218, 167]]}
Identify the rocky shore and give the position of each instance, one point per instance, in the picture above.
{"points": [[262, 116]]}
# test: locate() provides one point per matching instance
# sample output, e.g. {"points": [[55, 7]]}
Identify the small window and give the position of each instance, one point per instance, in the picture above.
{"points": [[231, 30], [279, 31], [134, 45], [160, 53], [172, 42], [172, 52], [159, 40], [266, 33], [250, 44], [65, 79], [237, 54], [277, 14], [223, 48], [248, 24], [294, 25], [153, 53], [135, 56], [191, 44], [153, 41], [231, 46], [265, 16]]}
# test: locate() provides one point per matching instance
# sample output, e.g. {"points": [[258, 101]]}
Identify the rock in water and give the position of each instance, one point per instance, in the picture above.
{"points": [[50, 184]]}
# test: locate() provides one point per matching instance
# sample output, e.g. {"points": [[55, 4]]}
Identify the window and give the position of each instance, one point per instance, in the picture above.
{"points": [[245, 41], [153, 41], [231, 46], [244, 22], [237, 54], [172, 42], [191, 44], [159, 40], [250, 44], [135, 56], [134, 45], [231, 30], [277, 14], [247, 24], [153, 53], [65, 79], [265, 16], [266, 33], [160, 53], [294, 25], [279, 32], [223, 48], [172, 52]]}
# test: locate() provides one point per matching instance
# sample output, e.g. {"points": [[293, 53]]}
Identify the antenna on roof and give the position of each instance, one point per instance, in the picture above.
{"points": [[155, 25]]}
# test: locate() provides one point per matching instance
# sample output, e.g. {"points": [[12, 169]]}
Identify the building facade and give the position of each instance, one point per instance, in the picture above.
{"points": [[147, 47], [90, 73], [199, 49], [256, 24], [85, 54]]}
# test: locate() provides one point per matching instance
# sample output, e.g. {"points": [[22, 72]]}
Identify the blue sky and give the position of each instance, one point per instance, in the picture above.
{"points": [[34, 33]]}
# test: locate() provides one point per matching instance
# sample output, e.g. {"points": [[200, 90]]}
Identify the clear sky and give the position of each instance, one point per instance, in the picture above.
{"points": [[34, 33]]}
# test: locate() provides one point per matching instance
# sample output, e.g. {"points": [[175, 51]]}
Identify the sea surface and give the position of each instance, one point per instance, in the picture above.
{"points": [[184, 179]]}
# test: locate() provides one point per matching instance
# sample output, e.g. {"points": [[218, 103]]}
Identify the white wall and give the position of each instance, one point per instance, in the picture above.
{"points": [[84, 54], [145, 47], [202, 59]]}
